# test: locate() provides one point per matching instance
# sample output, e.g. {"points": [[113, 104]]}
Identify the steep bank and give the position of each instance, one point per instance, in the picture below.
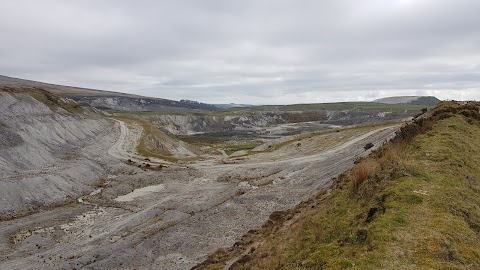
{"points": [[191, 124], [48, 155], [414, 204], [153, 142]]}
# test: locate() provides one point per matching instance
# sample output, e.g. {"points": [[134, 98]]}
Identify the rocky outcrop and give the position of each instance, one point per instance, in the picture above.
{"points": [[191, 124], [259, 120]]}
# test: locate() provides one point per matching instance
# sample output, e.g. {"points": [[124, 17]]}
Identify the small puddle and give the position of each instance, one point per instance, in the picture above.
{"points": [[139, 192]]}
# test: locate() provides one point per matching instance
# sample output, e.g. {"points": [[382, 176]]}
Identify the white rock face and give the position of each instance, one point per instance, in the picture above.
{"points": [[46, 157], [190, 124]]}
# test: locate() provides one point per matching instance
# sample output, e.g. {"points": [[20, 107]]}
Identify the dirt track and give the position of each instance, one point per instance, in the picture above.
{"points": [[201, 207]]}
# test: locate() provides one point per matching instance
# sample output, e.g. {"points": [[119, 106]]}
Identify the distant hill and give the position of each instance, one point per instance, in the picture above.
{"points": [[61, 90], [109, 99], [414, 100], [232, 105]]}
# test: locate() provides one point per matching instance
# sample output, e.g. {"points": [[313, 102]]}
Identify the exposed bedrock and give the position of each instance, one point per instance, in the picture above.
{"points": [[47, 156], [191, 124], [256, 121]]}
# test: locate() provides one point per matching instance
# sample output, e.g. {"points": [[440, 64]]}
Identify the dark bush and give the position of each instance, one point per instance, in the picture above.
{"points": [[368, 146]]}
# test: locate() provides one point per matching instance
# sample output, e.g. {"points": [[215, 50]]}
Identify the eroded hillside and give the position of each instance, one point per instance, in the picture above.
{"points": [[49, 152]]}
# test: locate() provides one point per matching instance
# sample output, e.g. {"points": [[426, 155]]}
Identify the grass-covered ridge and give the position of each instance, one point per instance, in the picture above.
{"points": [[361, 106], [307, 109], [53, 101], [426, 101], [413, 204]]}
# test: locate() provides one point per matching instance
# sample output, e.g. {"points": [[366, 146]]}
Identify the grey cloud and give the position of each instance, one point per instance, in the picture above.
{"points": [[261, 51]]}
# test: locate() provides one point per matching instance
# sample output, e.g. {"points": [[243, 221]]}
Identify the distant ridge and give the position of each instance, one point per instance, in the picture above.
{"points": [[61, 90], [109, 100], [232, 105], [414, 100]]}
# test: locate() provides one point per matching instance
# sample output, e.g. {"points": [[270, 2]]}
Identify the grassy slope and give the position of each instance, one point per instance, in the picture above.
{"points": [[61, 90], [51, 100], [413, 205], [427, 219], [364, 106], [426, 101]]}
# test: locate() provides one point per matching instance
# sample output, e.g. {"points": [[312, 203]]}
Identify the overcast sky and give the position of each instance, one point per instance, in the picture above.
{"points": [[248, 51]]}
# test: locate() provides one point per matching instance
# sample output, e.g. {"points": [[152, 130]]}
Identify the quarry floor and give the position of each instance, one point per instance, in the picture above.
{"points": [[179, 214]]}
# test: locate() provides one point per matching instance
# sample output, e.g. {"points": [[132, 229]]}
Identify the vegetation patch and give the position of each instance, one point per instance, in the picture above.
{"points": [[53, 101], [338, 106], [230, 149], [202, 140], [149, 144]]}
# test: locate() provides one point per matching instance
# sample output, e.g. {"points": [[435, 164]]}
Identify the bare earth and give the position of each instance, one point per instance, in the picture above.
{"points": [[191, 209]]}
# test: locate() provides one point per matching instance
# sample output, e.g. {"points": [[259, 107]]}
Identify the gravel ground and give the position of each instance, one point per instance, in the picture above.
{"points": [[202, 205]]}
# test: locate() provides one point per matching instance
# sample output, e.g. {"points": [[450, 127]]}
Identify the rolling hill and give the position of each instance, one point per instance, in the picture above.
{"points": [[414, 100], [109, 100]]}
